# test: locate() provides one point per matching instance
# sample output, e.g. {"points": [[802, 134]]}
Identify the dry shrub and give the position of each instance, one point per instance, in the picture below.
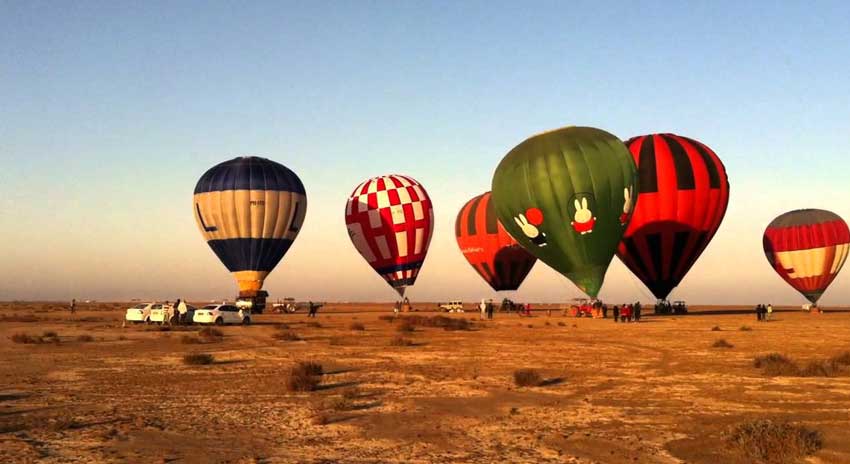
{"points": [[50, 334], [561, 324], [842, 359], [401, 341], [198, 359], [406, 327], [189, 340], [26, 339], [716, 328], [527, 378], [772, 442], [827, 368], [210, 332], [287, 335], [122, 338], [85, 338], [722, 343], [444, 322], [19, 318], [304, 376], [746, 328], [775, 364], [357, 326]]}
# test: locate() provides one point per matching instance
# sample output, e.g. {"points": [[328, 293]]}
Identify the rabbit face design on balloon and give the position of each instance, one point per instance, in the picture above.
{"points": [[530, 222], [583, 218]]}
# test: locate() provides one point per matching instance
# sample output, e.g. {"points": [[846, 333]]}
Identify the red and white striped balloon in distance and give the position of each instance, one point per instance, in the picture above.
{"points": [[807, 248], [390, 221]]}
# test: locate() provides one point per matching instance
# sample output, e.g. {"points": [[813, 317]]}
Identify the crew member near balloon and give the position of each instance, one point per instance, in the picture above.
{"points": [[566, 197], [249, 210], [807, 248], [390, 220], [682, 201]]}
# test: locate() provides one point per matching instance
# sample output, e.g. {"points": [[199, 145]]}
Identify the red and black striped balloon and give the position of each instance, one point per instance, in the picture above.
{"points": [[497, 257], [683, 193], [807, 248]]}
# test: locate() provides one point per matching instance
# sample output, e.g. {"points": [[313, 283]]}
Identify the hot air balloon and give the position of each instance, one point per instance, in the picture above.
{"points": [[566, 196], [807, 248], [682, 201], [390, 220], [249, 211], [491, 251]]}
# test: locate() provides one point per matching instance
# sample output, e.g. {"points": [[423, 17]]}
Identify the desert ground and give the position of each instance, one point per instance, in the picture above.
{"points": [[657, 391]]}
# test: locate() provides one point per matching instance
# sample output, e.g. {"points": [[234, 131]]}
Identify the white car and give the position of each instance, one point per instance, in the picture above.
{"points": [[140, 313], [452, 307], [220, 314]]}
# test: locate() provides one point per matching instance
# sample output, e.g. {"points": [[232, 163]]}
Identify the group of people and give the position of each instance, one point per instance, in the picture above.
{"points": [[400, 306], [175, 313], [487, 309], [763, 313], [665, 307], [627, 312]]}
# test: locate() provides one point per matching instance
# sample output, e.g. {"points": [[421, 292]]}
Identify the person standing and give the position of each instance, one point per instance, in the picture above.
{"points": [[637, 311], [490, 309], [616, 313], [758, 312], [73, 306], [396, 308], [182, 311], [604, 311], [768, 312], [312, 309]]}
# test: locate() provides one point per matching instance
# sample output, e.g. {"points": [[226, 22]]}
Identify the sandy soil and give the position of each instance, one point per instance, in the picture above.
{"points": [[652, 392]]}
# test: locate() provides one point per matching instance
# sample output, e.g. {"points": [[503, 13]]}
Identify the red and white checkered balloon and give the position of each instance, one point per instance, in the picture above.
{"points": [[390, 221]]}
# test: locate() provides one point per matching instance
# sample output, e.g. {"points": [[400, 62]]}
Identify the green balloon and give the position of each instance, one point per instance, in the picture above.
{"points": [[567, 196]]}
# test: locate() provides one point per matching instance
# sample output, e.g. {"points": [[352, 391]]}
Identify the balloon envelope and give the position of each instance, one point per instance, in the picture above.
{"points": [[249, 210], [390, 220], [683, 196], [491, 251], [807, 248], [566, 196]]}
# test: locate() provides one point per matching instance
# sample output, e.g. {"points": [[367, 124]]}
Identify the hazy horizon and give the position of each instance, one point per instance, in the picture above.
{"points": [[112, 111]]}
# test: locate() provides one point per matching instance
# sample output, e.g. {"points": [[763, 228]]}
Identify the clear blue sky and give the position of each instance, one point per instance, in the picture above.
{"points": [[110, 111]]}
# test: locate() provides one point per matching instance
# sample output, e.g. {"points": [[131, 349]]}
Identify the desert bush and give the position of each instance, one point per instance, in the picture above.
{"points": [[401, 341], [774, 442], [406, 327], [26, 339], [287, 335], [827, 368], [198, 359], [561, 324], [357, 326], [722, 343], [50, 334], [527, 378], [842, 359], [547, 323], [210, 332], [446, 323], [85, 338], [19, 318], [304, 376], [745, 328], [775, 364], [716, 328]]}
